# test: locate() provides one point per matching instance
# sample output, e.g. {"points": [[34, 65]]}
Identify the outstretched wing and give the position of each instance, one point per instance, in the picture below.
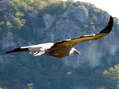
{"points": [[31, 48], [14, 50], [74, 41], [22, 49]]}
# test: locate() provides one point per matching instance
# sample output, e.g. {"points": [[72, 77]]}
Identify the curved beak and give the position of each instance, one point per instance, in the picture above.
{"points": [[77, 52]]}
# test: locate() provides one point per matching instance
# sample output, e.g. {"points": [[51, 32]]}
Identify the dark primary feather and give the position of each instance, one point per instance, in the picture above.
{"points": [[84, 38], [17, 50], [108, 28]]}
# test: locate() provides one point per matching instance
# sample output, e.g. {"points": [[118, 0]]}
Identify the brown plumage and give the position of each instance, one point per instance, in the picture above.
{"points": [[63, 48]]}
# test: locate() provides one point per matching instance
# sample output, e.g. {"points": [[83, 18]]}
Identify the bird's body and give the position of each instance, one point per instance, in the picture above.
{"points": [[63, 48], [44, 49], [59, 53]]}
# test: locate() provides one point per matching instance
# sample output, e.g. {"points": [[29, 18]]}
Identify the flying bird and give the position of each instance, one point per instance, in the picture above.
{"points": [[62, 48]]}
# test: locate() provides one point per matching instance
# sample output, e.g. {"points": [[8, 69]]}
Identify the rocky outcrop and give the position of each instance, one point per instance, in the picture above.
{"points": [[83, 70]]}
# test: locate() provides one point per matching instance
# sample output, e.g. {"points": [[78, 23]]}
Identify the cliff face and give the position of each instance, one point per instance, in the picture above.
{"points": [[54, 24]]}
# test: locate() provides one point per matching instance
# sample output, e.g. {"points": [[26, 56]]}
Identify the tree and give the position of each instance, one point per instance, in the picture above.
{"points": [[113, 73]]}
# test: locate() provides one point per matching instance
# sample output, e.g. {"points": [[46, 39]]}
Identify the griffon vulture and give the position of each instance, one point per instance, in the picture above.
{"points": [[63, 48]]}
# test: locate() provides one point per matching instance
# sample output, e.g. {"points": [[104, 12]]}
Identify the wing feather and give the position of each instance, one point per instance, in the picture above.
{"points": [[31, 48], [19, 49], [75, 41]]}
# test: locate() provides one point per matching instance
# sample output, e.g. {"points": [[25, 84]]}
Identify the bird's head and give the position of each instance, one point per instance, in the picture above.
{"points": [[74, 51]]}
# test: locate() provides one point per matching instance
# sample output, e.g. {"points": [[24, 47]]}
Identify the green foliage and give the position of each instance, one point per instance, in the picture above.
{"points": [[97, 10], [85, 10], [30, 86], [69, 2], [28, 15], [19, 22], [26, 4], [8, 24], [113, 73], [16, 15]]}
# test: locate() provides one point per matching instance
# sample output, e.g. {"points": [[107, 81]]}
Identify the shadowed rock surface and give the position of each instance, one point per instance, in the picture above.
{"points": [[55, 23]]}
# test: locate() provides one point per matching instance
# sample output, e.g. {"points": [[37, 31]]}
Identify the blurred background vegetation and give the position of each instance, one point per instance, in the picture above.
{"points": [[13, 13], [24, 22]]}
